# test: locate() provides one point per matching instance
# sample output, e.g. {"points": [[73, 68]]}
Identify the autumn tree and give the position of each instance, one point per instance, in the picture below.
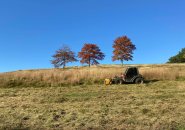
{"points": [[123, 49], [63, 56], [90, 54]]}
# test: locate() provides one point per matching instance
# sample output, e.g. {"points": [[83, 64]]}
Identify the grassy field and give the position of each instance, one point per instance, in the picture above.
{"points": [[86, 76], [73, 103]]}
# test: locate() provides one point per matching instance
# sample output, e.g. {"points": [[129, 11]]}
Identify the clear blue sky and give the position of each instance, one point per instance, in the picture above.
{"points": [[31, 30]]}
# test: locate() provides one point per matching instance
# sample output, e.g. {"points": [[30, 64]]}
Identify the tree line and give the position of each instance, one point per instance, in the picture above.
{"points": [[179, 58], [91, 53]]}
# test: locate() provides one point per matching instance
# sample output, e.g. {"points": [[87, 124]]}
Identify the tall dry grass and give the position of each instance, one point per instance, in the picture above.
{"points": [[160, 73], [85, 75]]}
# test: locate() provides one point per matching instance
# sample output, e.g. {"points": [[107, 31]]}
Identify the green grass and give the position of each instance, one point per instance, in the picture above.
{"points": [[155, 105]]}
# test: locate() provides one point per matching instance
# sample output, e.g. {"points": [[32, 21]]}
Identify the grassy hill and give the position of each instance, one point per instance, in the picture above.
{"points": [[75, 98], [85, 75]]}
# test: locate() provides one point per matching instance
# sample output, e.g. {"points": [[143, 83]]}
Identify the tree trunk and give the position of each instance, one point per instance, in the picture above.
{"points": [[121, 62], [64, 65], [89, 61]]}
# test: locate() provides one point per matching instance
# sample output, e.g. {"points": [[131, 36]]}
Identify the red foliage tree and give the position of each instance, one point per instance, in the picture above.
{"points": [[63, 56], [90, 53], [123, 49]]}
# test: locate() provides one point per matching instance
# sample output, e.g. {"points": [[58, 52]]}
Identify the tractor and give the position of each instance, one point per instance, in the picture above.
{"points": [[131, 75]]}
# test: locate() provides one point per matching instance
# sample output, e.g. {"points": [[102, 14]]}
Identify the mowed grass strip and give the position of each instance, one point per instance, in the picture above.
{"points": [[155, 105]]}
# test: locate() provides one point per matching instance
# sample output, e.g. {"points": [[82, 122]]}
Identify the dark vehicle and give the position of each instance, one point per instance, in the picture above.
{"points": [[131, 75]]}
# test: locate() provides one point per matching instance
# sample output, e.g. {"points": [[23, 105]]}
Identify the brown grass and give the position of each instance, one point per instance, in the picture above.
{"points": [[160, 73], [85, 75], [157, 105], [153, 106]]}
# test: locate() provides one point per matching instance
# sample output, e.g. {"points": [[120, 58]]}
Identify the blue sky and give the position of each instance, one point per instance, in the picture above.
{"points": [[31, 30]]}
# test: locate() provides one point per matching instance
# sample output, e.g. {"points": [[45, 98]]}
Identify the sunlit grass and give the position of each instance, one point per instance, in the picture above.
{"points": [[85, 75], [75, 98], [155, 105]]}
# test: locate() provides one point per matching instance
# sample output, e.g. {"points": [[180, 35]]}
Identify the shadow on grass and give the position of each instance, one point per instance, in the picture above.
{"points": [[150, 81]]}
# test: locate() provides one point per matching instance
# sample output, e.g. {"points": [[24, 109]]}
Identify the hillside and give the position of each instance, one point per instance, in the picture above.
{"points": [[85, 75], [75, 98]]}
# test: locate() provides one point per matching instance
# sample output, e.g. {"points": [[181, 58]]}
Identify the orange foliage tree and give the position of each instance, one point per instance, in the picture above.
{"points": [[63, 56], [90, 53], [123, 49]]}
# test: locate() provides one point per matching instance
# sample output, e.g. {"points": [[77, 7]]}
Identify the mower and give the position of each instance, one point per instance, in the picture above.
{"points": [[131, 75]]}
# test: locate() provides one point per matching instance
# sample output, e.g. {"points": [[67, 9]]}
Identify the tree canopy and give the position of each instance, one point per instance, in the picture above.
{"points": [[179, 58], [90, 54], [123, 49], [63, 56]]}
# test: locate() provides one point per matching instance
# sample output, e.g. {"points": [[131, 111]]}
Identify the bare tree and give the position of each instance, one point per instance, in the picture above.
{"points": [[63, 56]]}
